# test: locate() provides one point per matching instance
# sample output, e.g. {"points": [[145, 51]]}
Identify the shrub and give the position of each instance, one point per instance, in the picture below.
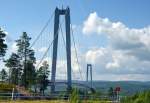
{"points": [[6, 87], [143, 97]]}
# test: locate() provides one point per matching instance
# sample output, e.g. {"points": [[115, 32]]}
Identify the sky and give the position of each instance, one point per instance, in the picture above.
{"points": [[112, 35]]}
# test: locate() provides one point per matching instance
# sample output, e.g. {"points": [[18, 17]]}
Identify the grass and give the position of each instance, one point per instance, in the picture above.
{"points": [[50, 101], [34, 101]]}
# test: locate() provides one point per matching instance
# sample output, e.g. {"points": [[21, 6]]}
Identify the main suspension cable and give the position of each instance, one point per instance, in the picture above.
{"points": [[43, 29], [48, 47]]}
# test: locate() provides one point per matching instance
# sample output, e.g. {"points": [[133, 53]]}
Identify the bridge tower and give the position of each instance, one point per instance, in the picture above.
{"points": [[89, 69], [66, 13]]}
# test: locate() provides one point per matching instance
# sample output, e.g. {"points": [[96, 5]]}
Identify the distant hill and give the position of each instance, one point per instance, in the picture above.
{"points": [[127, 87]]}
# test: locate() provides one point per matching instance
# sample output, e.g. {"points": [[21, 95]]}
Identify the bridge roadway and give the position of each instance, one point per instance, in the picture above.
{"points": [[73, 83]]}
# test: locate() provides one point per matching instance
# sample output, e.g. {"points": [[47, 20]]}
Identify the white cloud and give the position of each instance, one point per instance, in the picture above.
{"points": [[96, 55], [107, 61], [126, 56], [120, 36], [127, 51], [42, 49], [14, 47], [61, 71], [113, 64], [122, 77], [107, 65]]}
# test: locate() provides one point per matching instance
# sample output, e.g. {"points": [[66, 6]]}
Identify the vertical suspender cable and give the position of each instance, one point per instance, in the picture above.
{"points": [[64, 43], [47, 50], [76, 53]]}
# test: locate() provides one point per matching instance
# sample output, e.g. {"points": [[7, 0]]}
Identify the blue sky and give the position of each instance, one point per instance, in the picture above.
{"points": [[99, 46], [33, 13]]}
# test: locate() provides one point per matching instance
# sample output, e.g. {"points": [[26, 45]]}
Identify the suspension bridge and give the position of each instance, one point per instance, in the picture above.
{"points": [[53, 45]]}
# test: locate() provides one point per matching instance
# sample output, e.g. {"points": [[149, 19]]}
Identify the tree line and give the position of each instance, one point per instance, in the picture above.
{"points": [[21, 65]]}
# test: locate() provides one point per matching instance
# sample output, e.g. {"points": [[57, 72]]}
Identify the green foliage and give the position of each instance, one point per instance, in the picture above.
{"points": [[96, 96], [143, 97], [29, 75], [5, 91], [3, 75], [26, 55], [14, 65], [6, 87], [21, 64], [110, 92], [3, 46], [74, 97], [42, 76], [24, 50]]}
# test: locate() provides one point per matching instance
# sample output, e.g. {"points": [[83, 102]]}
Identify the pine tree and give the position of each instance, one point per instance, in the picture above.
{"points": [[29, 75], [14, 65], [3, 75], [42, 76], [3, 46], [26, 54]]}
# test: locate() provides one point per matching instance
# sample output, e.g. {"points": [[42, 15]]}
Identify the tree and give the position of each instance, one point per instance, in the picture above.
{"points": [[26, 55], [3, 75], [14, 65], [29, 75], [42, 76], [3, 46], [111, 92]]}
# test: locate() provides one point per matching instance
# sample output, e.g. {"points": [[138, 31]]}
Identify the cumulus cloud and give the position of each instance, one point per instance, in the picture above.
{"points": [[122, 77], [120, 36], [106, 61], [127, 51], [93, 56], [126, 56], [61, 71]]}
